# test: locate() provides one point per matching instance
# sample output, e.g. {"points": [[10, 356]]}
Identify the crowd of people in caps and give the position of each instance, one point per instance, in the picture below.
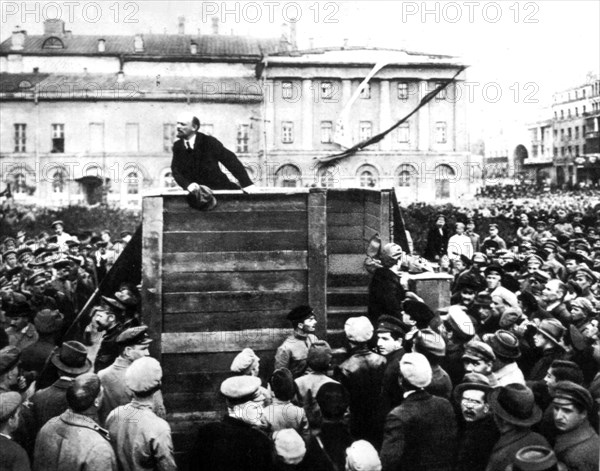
{"points": [[505, 375]]}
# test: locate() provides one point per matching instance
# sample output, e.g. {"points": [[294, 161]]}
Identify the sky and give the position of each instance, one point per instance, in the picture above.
{"points": [[519, 52]]}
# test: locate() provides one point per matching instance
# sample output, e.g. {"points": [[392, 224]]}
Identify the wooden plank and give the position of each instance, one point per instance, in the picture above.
{"points": [[372, 197], [236, 301], [345, 232], [215, 221], [236, 261], [198, 382], [236, 320], [344, 206], [243, 203], [384, 218], [346, 263], [221, 361], [239, 241], [372, 209], [317, 257], [292, 280], [223, 341], [352, 279], [371, 221], [190, 401], [152, 247], [346, 246], [344, 219], [346, 194], [347, 299], [370, 232]]}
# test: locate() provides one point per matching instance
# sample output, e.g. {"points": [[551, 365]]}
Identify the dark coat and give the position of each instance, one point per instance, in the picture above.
{"points": [[385, 295], [420, 435], [232, 445], [12, 456], [579, 449], [441, 385], [507, 446], [542, 365], [335, 439], [201, 164], [109, 350], [362, 375], [475, 444], [437, 244], [391, 391], [34, 357]]}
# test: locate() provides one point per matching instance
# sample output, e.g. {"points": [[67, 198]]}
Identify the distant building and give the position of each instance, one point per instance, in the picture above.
{"points": [[88, 119]]}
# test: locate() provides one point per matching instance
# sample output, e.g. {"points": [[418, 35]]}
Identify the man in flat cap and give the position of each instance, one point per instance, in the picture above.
{"points": [[292, 353], [235, 442], [139, 437], [362, 375], [421, 432], [12, 456], [9, 369], [458, 330], [577, 443], [479, 434], [493, 279], [133, 344], [433, 347], [196, 159], [507, 350], [48, 324], [73, 440], [108, 317], [493, 236], [479, 358], [585, 278], [390, 336]]}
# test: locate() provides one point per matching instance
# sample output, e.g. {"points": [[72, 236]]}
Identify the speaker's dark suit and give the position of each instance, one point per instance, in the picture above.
{"points": [[201, 164]]}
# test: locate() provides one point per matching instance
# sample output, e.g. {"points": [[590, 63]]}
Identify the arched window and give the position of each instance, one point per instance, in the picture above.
{"points": [[326, 176], [20, 183], [53, 43], [132, 180], [444, 174], [368, 177], [59, 182], [405, 176], [288, 176]]}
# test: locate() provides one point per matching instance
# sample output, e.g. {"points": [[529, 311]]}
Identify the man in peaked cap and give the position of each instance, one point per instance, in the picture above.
{"points": [[585, 278], [457, 329], [433, 347], [12, 455], [535, 458], [494, 237], [108, 317], [147, 439], [362, 374], [506, 348], [74, 440], [390, 336], [421, 432], [479, 358], [235, 442], [21, 332], [133, 343], [515, 411], [61, 236], [292, 353], [577, 443], [479, 433], [493, 279]]}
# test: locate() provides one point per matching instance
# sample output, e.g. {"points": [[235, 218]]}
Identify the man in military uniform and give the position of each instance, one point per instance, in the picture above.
{"points": [[108, 317], [292, 353]]}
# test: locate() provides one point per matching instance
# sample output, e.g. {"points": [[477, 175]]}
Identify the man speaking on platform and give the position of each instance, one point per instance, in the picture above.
{"points": [[196, 159]]}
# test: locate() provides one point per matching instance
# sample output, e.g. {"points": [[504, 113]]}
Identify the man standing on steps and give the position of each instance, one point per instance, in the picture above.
{"points": [[196, 159], [293, 352]]}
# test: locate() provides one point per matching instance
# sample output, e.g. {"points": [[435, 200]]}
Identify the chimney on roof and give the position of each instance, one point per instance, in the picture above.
{"points": [[54, 27], [18, 39], [293, 22], [215, 25], [138, 43], [101, 45], [284, 41], [181, 25]]}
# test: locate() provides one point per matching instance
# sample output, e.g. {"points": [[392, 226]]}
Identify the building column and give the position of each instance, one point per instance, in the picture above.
{"points": [[307, 115], [423, 129], [384, 114]]}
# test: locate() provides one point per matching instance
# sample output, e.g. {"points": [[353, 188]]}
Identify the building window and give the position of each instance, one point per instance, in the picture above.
{"points": [[583, 109], [365, 130], [59, 182], [288, 176], [403, 91], [584, 149], [53, 43], [326, 90], [169, 134], [555, 152], [168, 181], [365, 93], [207, 128], [562, 114], [443, 175], [58, 138], [576, 132], [576, 111], [20, 137], [287, 132], [326, 132], [20, 184], [562, 151], [583, 93], [555, 134], [442, 95], [569, 135], [133, 183], [243, 133], [576, 151], [286, 90], [555, 115], [326, 176], [132, 137], [569, 151], [404, 133], [562, 134], [583, 130], [440, 132], [569, 113], [404, 179], [367, 179]]}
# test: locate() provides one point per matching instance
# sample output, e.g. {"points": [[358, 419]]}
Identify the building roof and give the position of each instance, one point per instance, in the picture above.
{"points": [[175, 45]]}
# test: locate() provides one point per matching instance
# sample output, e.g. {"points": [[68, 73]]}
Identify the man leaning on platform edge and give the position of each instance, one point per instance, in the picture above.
{"points": [[196, 159]]}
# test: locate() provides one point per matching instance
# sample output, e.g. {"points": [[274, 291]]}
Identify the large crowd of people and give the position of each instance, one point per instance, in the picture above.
{"points": [[504, 375]]}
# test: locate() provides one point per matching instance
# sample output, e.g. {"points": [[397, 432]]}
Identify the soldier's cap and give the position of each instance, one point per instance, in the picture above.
{"points": [[491, 244], [573, 256], [134, 336], [36, 277], [533, 258], [390, 324], [71, 243], [299, 313], [29, 242], [23, 251], [470, 381], [12, 272], [62, 263], [479, 257], [540, 222], [358, 329], [144, 375], [9, 357], [570, 392], [113, 304], [540, 275], [428, 341], [477, 350], [460, 323], [39, 251], [9, 403], [9, 252], [494, 268], [57, 222], [243, 361], [240, 388], [483, 300], [9, 240], [52, 240], [48, 321], [585, 271]]}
